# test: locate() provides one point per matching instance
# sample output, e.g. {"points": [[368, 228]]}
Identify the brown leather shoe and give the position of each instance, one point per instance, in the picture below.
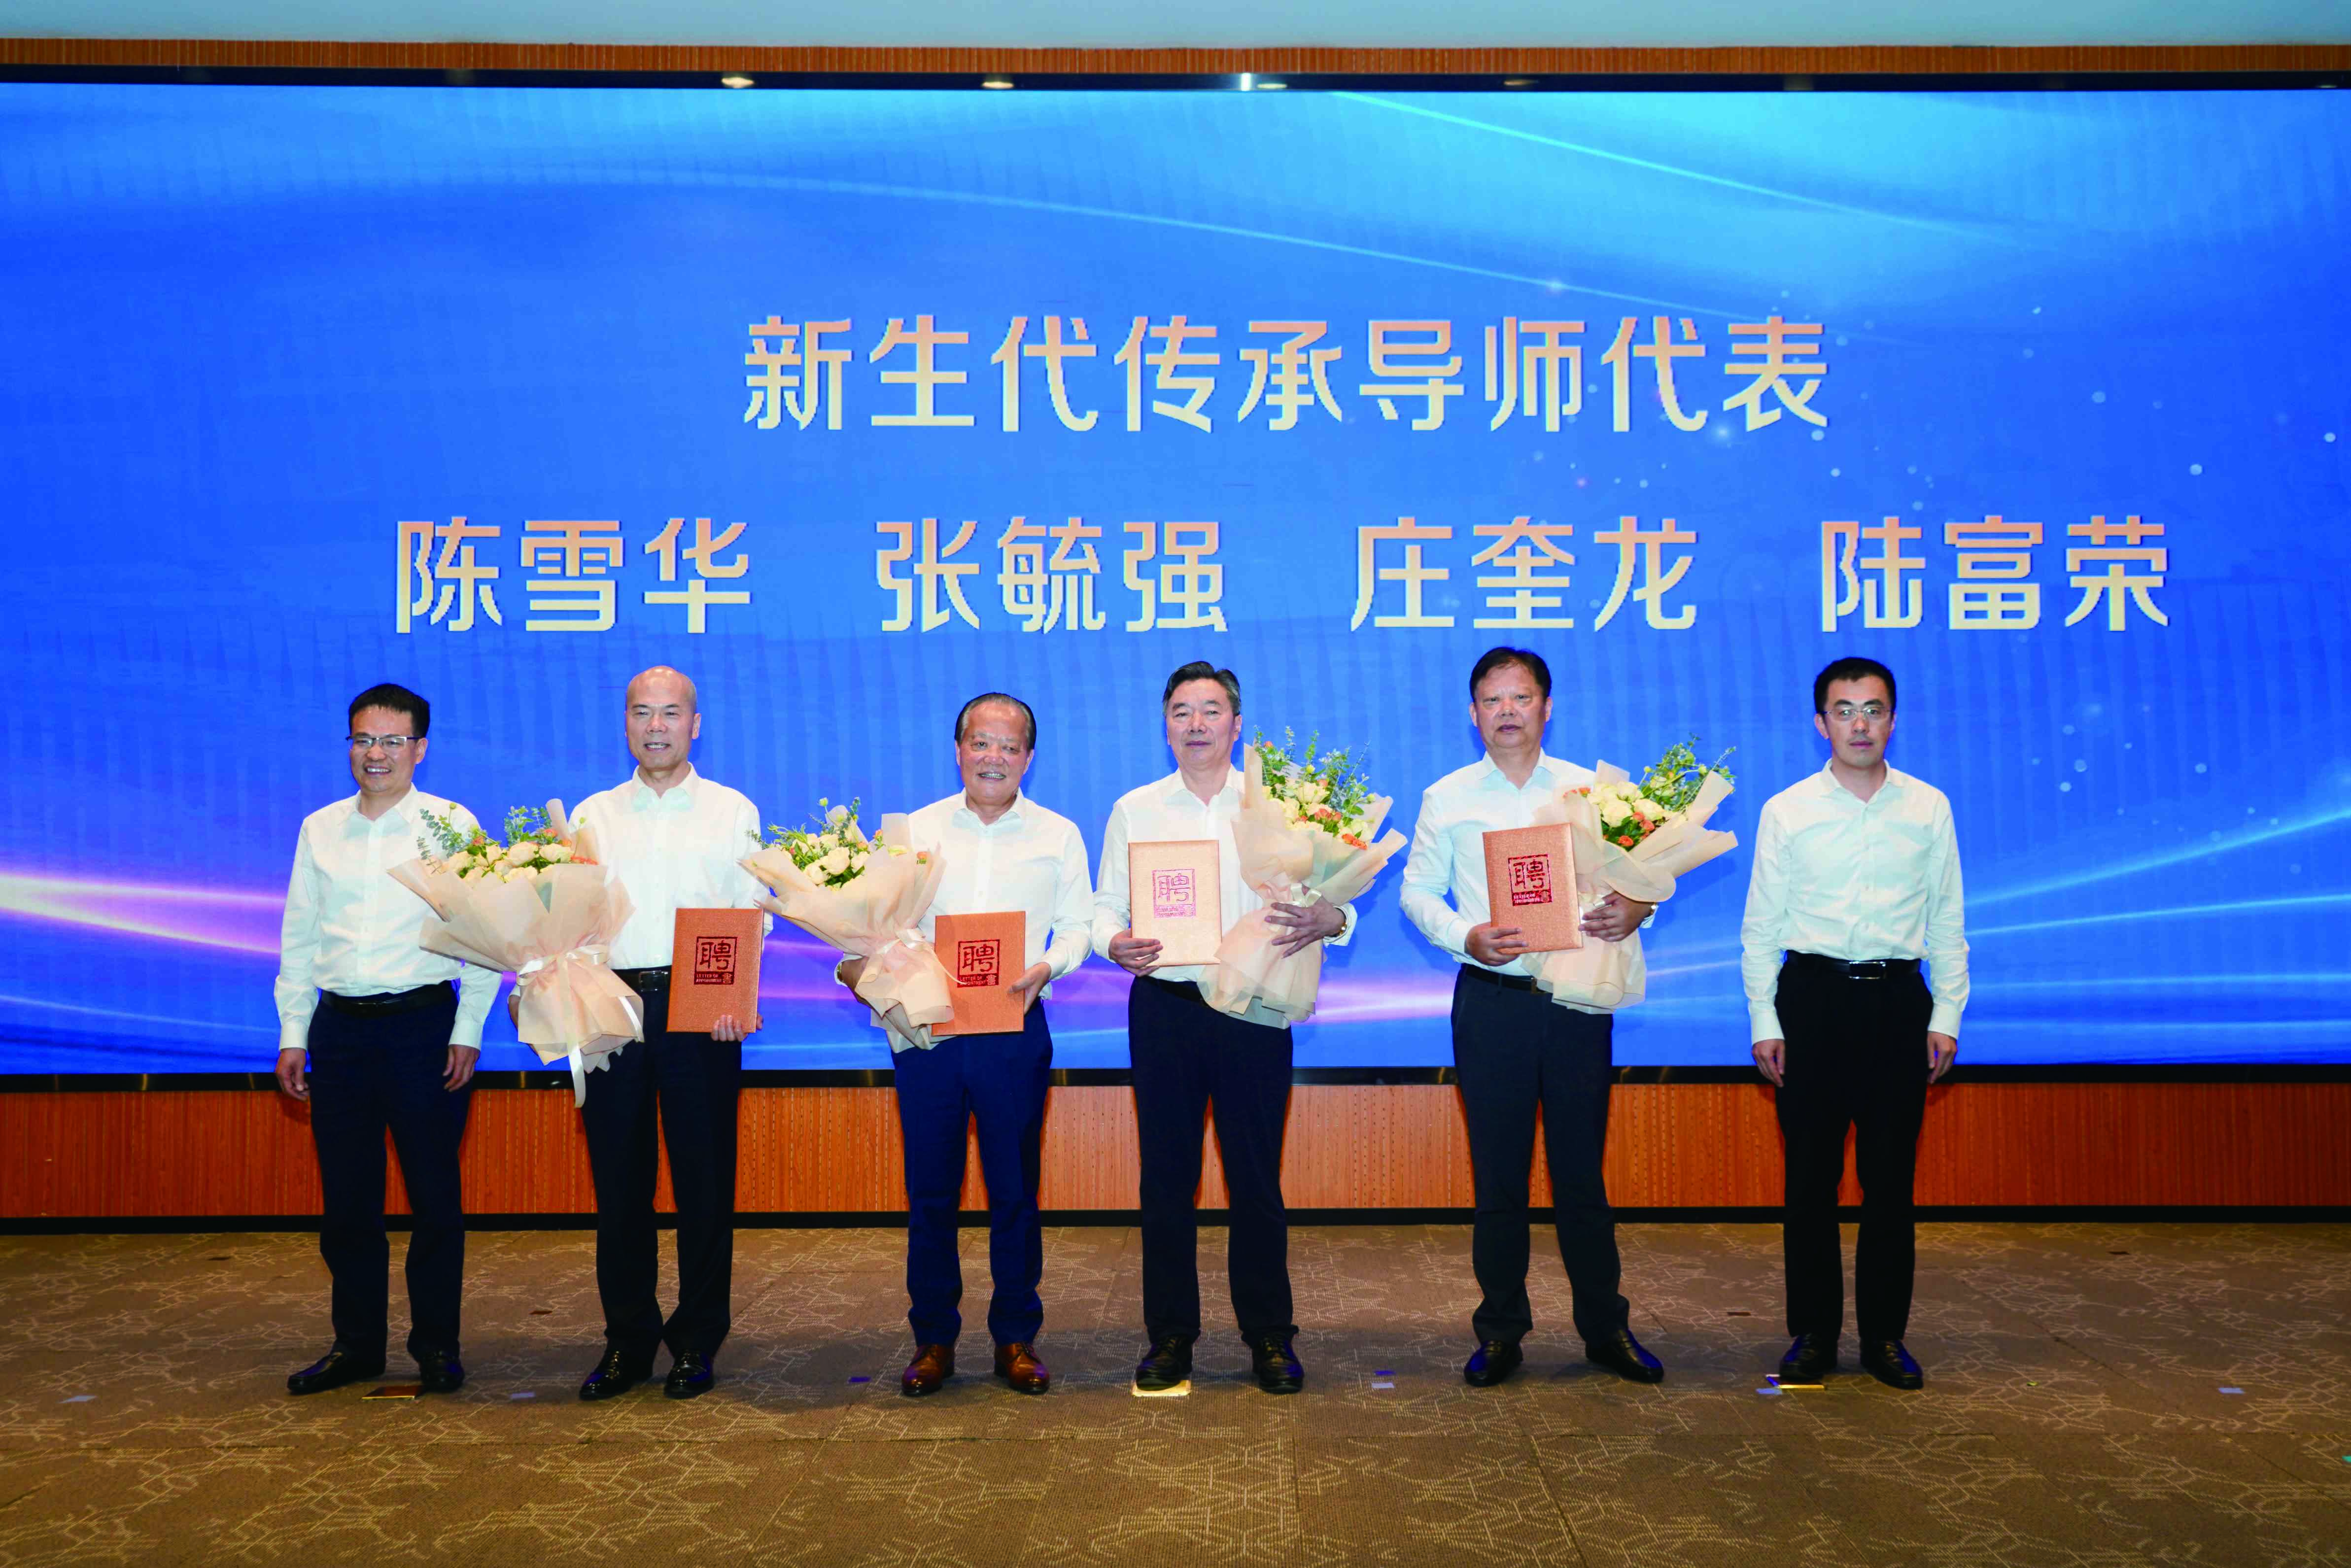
{"points": [[1018, 1364], [932, 1367]]}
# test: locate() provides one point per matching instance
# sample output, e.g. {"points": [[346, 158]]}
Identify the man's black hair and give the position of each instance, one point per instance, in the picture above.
{"points": [[1495, 658], [399, 699], [1851, 668]]}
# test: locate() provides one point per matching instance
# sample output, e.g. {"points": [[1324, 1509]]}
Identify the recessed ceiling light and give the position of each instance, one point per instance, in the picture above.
{"points": [[1518, 81], [996, 81], [1271, 86], [734, 81]]}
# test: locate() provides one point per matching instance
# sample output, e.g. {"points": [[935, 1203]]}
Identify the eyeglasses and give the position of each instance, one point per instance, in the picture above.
{"points": [[394, 745], [1846, 713]]}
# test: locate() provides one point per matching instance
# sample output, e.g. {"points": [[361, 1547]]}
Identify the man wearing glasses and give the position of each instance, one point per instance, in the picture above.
{"points": [[1857, 879], [373, 1038]]}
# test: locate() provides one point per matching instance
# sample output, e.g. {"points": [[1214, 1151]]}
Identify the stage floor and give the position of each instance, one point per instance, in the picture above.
{"points": [[2081, 1406]]}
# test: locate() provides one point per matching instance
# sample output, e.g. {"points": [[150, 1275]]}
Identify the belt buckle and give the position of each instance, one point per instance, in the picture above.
{"points": [[1866, 970]]}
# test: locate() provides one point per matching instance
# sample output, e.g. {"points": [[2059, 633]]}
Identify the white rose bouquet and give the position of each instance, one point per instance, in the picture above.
{"points": [[1307, 833], [1632, 840], [536, 905], [862, 895]]}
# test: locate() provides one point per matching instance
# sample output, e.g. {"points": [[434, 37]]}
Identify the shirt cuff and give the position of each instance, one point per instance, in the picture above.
{"points": [[1762, 1024], [1944, 1019], [466, 1032], [293, 1034]]}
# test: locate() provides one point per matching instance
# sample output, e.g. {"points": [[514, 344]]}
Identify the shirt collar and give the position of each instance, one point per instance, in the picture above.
{"points": [[400, 815], [1547, 770], [1826, 783], [1174, 787], [966, 817], [679, 798]]}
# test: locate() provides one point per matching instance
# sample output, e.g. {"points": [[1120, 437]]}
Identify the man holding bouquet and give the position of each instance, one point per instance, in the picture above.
{"points": [[672, 838], [1003, 853], [1514, 1047], [1857, 879], [372, 1035], [1187, 1054]]}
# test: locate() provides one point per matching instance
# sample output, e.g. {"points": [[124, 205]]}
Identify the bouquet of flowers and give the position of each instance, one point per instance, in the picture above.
{"points": [[536, 904], [1632, 840], [1308, 831], [863, 896]]}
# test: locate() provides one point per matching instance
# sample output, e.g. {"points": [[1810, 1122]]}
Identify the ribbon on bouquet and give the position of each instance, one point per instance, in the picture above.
{"points": [[574, 1000]]}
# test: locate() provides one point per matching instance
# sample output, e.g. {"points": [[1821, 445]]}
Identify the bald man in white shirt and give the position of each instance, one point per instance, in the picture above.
{"points": [[674, 838], [1857, 879], [372, 1035]]}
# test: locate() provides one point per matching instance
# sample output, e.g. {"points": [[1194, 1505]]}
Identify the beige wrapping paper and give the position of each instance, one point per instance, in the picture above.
{"points": [[873, 919], [1603, 976], [1286, 862], [553, 928]]}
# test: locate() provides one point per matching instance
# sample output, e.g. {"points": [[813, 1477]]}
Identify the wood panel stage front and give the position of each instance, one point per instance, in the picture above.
{"points": [[810, 1152]]}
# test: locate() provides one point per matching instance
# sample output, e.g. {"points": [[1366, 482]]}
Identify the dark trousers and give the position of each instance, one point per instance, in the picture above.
{"points": [[695, 1081], [1855, 1057], [1517, 1051], [1186, 1055], [367, 1076], [998, 1081]]}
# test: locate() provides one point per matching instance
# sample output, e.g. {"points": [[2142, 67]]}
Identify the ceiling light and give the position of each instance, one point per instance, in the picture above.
{"points": [[996, 82], [1518, 81], [1271, 86], [734, 81]]}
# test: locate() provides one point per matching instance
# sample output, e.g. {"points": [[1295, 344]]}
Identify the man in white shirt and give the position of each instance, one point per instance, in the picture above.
{"points": [[674, 840], [1186, 1054], [1857, 879], [1514, 1048], [391, 1049], [1003, 853]]}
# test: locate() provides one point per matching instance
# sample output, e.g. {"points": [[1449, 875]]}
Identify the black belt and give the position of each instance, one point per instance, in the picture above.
{"points": [[1508, 982], [384, 1004], [1176, 988], [643, 980], [1855, 968]]}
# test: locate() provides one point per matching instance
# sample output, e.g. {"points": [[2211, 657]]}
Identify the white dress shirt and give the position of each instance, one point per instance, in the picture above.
{"points": [[672, 852], [352, 929], [1029, 858], [1165, 811], [1449, 846], [1853, 879]]}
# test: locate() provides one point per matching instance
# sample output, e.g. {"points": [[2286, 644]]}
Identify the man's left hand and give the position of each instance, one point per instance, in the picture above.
{"points": [[1031, 980], [1941, 1049], [461, 1066], [1615, 917], [728, 1028], [1306, 923]]}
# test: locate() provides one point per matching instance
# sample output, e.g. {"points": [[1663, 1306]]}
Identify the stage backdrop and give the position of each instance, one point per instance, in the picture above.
{"points": [[852, 404]]}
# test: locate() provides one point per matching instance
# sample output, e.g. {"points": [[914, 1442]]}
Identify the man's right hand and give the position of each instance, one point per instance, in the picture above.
{"points": [[1771, 1057], [291, 1082], [1495, 945], [1135, 954]]}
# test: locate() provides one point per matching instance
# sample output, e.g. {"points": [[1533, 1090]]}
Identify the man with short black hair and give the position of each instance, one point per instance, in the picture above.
{"points": [[1514, 1048], [372, 1037], [1857, 879], [1003, 852], [1186, 1055]]}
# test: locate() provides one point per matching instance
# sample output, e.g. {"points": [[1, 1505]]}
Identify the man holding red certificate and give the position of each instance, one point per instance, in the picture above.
{"points": [[1186, 1054], [1011, 916], [1514, 1047], [673, 838]]}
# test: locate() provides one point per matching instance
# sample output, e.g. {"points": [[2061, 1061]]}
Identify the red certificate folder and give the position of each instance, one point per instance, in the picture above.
{"points": [[1173, 891], [984, 953], [714, 968], [1530, 884]]}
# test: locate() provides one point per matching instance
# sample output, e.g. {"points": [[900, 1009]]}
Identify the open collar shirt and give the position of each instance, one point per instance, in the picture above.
{"points": [[679, 850], [1449, 847], [1853, 879], [1167, 809], [1030, 859], [352, 929]]}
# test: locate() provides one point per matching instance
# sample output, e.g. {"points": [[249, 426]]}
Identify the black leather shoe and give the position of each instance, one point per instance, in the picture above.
{"points": [[1810, 1358], [690, 1376], [1276, 1364], [1492, 1361], [438, 1372], [1165, 1369], [1887, 1362], [616, 1373], [334, 1369], [1622, 1355]]}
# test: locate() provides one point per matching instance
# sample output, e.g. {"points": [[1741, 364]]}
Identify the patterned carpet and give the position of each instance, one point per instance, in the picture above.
{"points": [[2097, 1395]]}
